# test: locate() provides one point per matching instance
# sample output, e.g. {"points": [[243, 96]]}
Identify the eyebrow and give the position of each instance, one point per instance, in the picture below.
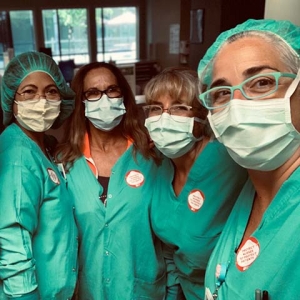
{"points": [[108, 87], [255, 70], [36, 87], [28, 86], [247, 73], [156, 103], [179, 101]]}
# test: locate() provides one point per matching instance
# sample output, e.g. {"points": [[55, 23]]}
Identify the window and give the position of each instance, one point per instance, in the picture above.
{"points": [[116, 33], [5, 35], [65, 32], [67, 36], [17, 32], [22, 28]]}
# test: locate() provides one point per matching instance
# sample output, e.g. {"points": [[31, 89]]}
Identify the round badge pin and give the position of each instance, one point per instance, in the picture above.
{"points": [[247, 254], [134, 178], [53, 176], [195, 200]]}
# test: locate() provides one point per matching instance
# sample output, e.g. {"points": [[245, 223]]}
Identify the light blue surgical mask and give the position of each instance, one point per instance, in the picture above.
{"points": [[105, 113], [258, 134], [172, 135]]}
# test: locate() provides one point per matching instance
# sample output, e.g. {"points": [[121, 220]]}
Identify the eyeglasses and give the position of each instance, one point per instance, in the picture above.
{"points": [[95, 94], [175, 110], [255, 87], [50, 95]]}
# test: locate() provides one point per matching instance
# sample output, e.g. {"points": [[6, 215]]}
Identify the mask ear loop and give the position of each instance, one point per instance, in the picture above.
{"points": [[203, 122], [293, 86]]}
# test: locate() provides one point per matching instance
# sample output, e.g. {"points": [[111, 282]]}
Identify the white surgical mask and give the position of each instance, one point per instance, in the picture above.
{"points": [[105, 113], [37, 115], [258, 134], [172, 135]]}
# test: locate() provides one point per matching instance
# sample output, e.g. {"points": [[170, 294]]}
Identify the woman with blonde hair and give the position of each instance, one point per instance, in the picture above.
{"points": [[198, 186]]}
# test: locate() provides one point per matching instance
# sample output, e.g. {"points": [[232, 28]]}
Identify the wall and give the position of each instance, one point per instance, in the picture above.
{"points": [[283, 10], [160, 15], [220, 15], [211, 28]]}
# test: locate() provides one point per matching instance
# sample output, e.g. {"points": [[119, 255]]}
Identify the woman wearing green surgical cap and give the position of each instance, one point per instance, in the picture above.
{"points": [[250, 84], [38, 235], [197, 189], [111, 173]]}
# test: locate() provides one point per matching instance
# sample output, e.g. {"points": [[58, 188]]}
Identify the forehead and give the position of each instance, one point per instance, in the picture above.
{"points": [[248, 52], [100, 78], [38, 79]]}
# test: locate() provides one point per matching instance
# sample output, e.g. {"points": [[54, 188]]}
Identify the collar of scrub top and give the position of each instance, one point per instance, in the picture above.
{"points": [[88, 156]]}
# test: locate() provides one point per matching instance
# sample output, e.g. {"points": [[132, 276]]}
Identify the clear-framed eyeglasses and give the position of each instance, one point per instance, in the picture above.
{"points": [[255, 87], [94, 94], [31, 94], [156, 111]]}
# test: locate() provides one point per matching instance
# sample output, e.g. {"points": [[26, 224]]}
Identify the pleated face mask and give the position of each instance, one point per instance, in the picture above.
{"points": [[258, 134], [106, 113], [172, 135], [37, 115]]}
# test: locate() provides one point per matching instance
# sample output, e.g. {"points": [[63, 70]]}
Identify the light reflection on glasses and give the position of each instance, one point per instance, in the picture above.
{"points": [[156, 111], [94, 94]]}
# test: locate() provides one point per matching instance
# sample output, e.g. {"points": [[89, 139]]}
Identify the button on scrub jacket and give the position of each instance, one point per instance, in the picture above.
{"points": [[119, 256], [38, 245]]}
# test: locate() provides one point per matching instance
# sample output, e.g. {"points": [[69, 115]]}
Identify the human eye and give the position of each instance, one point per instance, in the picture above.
{"points": [[113, 92], [219, 96], [29, 92], [180, 109], [53, 93], [261, 84], [92, 94], [154, 110]]}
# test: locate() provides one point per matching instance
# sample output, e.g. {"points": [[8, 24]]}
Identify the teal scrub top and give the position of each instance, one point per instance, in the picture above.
{"points": [[38, 234], [190, 223], [119, 257], [271, 260]]}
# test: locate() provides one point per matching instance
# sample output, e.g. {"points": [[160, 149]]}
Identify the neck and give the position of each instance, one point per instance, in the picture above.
{"points": [[37, 137], [267, 183], [106, 140], [184, 163]]}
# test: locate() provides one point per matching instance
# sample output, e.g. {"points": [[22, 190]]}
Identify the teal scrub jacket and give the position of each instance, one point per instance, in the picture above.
{"points": [[190, 236], [38, 234], [276, 268], [119, 257]]}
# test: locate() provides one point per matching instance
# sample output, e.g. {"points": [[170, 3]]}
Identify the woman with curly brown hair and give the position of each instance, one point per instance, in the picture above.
{"points": [[111, 171]]}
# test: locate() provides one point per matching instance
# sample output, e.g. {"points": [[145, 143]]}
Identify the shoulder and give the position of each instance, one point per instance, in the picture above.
{"points": [[14, 139], [17, 149], [216, 158], [218, 153]]}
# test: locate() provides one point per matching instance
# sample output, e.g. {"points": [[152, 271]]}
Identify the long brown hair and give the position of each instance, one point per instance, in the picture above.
{"points": [[72, 143]]}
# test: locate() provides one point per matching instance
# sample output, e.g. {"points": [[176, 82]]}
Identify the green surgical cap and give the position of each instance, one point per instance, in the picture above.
{"points": [[23, 65], [286, 30]]}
